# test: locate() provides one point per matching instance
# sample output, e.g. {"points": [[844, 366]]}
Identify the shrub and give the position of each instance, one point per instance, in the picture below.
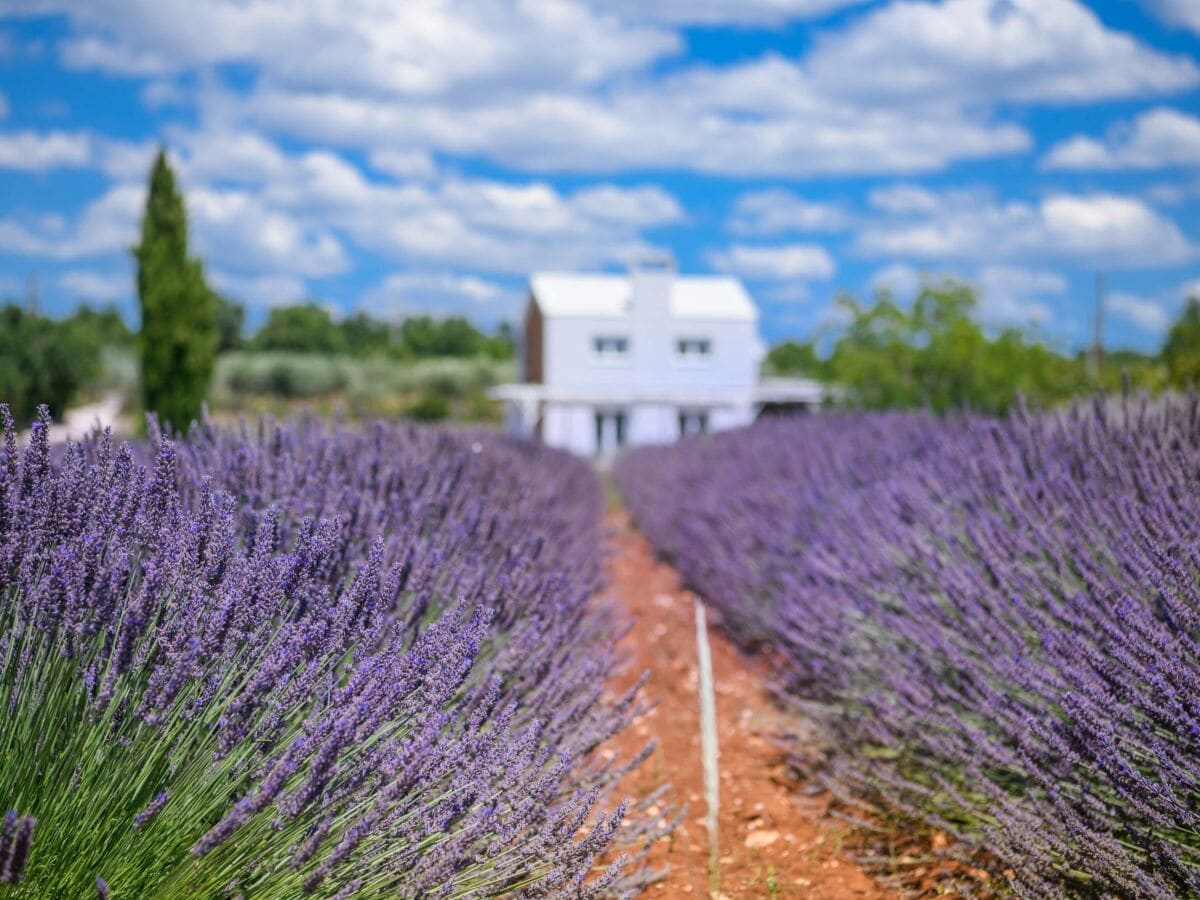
{"points": [[282, 660], [995, 622], [429, 408]]}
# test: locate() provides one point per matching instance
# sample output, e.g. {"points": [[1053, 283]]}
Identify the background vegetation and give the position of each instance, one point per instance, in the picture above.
{"points": [[935, 354]]}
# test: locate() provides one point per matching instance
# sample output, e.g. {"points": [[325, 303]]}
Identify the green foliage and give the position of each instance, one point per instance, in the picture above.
{"points": [[429, 408], [104, 327], [42, 361], [309, 328], [363, 335], [179, 311], [1181, 351], [934, 355], [794, 358], [291, 376], [364, 388], [231, 319], [306, 328]]}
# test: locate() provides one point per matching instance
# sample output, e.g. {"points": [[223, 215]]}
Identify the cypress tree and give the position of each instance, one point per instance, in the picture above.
{"points": [[178, 341]]}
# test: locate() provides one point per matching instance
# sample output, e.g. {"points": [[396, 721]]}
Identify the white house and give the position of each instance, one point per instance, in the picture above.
{"points": [[609, 360]]}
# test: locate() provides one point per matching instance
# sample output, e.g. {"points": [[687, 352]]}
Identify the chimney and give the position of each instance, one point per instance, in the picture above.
{"points": [[650, 279]]}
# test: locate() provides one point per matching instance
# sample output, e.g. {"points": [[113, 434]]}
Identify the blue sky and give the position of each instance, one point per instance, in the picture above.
{"points": [[427, 155]]}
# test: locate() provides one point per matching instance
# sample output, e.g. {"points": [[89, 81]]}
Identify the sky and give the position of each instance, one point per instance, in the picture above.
{"points": [[426, 156]]}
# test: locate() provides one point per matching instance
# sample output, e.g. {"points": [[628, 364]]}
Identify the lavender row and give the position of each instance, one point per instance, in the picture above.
{"points": [[995, 624], [281, 660]]}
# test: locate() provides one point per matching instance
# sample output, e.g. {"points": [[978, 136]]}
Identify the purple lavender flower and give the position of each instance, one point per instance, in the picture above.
{"points": [[294, 655], [996, 624]]}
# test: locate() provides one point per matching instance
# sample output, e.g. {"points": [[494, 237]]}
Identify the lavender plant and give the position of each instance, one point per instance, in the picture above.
{"points": [[224, 679], [994, 623]]}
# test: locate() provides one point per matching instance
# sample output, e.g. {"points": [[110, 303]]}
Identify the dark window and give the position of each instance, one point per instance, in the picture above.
{"points": [[693, 348], [610, 346]]}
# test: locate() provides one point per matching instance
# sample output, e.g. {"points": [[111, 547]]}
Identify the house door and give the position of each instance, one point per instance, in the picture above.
{"points": [[610, 431]]}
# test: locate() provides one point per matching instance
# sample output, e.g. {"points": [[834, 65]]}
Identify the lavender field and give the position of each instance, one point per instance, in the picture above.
{"points": [[995, 625], [293, 659]]}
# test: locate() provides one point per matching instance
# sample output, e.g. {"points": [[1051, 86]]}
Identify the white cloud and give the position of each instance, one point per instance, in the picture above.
{"points": [[572, 86], [420, 48], [1157, 138], [92, 284], [992, 50], [776, 211], [258, 290], [239, 230], [107, 225], [403, 163], [1177, 12], [759, 118], [775, 263], [442, 293], [726, 12], [900, 279], [30, 151], [1148, 315], [1016, 295], [1190, 289], [971, 225]]}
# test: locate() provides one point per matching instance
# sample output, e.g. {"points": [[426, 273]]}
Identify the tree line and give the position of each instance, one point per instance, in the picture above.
{"points": [[936, 354], [185, 324]]}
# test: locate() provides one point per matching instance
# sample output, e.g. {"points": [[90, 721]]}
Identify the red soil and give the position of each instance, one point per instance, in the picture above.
{"points": [[773, 842]]}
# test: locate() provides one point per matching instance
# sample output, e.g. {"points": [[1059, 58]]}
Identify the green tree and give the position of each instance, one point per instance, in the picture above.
{"points": [[794, 358], [42, 361], [104, 326], [1181, 350], [178, 340], [363, 335], [937, 355], [305, 328], [231, 319]]}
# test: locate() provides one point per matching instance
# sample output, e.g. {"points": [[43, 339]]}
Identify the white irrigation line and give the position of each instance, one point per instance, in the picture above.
{"points": [[708, 743]]}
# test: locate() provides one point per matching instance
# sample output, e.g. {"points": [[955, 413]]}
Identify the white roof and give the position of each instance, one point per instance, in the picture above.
{"points": [[692, 296]]}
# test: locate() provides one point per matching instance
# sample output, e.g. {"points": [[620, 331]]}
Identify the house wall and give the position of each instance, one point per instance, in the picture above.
{"points": [[569, 427], [572, 427], [571, 362]]}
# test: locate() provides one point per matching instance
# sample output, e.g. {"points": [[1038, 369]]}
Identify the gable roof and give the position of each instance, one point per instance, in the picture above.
{"points": [[692, 296]]}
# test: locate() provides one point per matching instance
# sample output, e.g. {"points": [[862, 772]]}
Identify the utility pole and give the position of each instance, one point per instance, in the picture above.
{"points": [[31, 295], [1097, 359]]}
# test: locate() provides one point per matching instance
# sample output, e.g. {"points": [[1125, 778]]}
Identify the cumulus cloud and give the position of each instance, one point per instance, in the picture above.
{"points": [[1157, 138], [259, 290], [776, 211], [898, 278], [1147, 314], [993, 50], [31, 151], [421, 48], [106, 225], [441, 293], [1176, 12], [971, 225], [775, 263], [725, 12], [1015, 295], [94, 284]]}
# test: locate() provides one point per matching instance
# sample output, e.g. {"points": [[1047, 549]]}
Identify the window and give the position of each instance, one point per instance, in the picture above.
{"points": [[693, 421], [610, 348], [610, 431], [690, 349]]}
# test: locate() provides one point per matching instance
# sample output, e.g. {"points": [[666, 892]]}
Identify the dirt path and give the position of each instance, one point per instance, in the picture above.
{"points": [[773, 842]]}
